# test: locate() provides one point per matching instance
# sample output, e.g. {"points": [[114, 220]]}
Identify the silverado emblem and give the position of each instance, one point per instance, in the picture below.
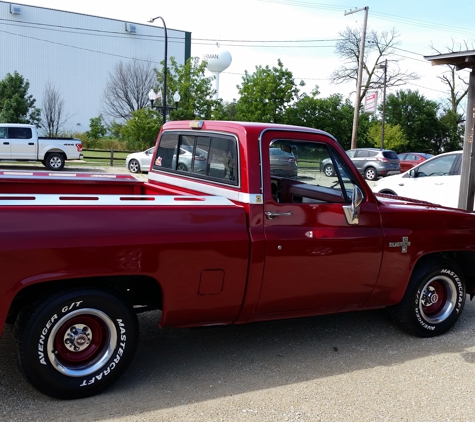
{"points": [[404, 244]]}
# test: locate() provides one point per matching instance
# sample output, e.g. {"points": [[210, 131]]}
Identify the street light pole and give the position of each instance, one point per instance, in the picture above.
{"points": [[164, 96]]}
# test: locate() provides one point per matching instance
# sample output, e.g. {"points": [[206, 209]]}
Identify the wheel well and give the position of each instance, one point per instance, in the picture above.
{"points": [[57, 151], [464, 259], [388, 192], [143, 293]]}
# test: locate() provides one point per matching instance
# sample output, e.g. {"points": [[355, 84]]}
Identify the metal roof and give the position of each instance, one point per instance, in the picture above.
{"points": [[461, 60]]}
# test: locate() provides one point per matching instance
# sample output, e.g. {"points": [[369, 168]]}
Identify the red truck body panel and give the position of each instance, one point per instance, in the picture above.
{"points": [[309, 263], [250, 228]]}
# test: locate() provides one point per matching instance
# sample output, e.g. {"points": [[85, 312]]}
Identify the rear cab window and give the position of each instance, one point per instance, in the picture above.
{"points": [[203, 156]]}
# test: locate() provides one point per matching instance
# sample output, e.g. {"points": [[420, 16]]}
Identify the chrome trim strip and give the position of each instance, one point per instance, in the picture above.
{"points": [[232, 195], [101, 200]]}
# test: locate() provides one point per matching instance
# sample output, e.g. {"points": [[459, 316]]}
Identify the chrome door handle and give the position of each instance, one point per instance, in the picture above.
{"points": [[270, 214]]}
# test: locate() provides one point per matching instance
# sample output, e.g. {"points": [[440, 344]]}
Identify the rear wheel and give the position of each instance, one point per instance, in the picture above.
{"points": [[370, 173], [54, 161], [76, 343], [328, 170], [433, 301], [182, 167]]}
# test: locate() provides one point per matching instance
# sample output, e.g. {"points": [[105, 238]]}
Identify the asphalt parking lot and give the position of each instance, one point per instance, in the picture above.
{"points": [[348, 367]]}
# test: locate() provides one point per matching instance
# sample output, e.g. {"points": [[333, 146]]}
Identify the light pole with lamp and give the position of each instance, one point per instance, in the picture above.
{"points": [[385, 68], [164, 98], [152, 96]]}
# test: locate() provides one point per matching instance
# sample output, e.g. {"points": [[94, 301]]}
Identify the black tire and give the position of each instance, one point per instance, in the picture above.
{"points": [[370, 173], [77, 342], [134, 166], [182, 167], [329, 171], [433, 301], [54, 161]]}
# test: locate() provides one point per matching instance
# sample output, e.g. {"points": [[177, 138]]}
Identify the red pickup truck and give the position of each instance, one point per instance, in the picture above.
{"points": [[237, 223]]}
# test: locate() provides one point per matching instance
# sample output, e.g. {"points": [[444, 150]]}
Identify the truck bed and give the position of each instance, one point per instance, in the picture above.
{"points": [[44, 182]]}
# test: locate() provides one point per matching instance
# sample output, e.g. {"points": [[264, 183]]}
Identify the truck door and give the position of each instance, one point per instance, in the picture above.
{"points": [[315, 259], [22, 143], [4, 144]]}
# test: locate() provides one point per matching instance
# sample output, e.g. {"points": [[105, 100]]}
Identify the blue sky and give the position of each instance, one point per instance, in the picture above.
{"points": [[314, 24]]}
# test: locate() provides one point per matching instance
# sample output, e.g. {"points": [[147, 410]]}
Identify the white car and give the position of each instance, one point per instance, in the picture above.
{"points": [[436, 180], [139, 161]]}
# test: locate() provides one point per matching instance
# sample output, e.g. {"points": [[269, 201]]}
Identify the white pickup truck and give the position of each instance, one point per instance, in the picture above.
{"points": [[20, 142]]}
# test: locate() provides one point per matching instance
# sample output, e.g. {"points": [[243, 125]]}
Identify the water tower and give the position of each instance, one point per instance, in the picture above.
{"points": [[218, 60]]}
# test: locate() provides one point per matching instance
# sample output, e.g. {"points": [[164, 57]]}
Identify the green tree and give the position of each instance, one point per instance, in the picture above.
{"points": [[225, 110], [452, 132], [394, 137], [418, 118], [141, 130], [16, 106], [195, 89], [97, 130], [266, 94]]}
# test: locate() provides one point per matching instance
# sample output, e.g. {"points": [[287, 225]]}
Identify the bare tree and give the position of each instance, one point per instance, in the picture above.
{"points": [[53, 116], [127, 88], [380, 46], [456, 81]]}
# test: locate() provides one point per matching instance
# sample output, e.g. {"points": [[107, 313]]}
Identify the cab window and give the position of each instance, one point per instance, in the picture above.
{"points": [[308, 172], [213, 157]]}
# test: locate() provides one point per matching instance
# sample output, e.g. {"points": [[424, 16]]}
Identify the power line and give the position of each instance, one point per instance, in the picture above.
{"points": [[378, 15], [176, 40]]}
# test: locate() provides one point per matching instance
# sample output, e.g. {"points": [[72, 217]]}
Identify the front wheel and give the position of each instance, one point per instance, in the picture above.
{"points": [[77, 342], [433, 301], [54, 161], [134, 166]]}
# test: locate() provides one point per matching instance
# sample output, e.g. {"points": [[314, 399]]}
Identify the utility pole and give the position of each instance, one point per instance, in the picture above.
{"points": [[385, 68], [354, 135], [467, 182]]}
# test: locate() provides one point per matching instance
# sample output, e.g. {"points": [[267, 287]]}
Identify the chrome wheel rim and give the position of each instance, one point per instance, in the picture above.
{"points": [[437, 300], [81, 342]]}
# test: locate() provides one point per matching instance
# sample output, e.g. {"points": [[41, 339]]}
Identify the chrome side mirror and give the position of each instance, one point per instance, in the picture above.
{"points": [[352, 211]]}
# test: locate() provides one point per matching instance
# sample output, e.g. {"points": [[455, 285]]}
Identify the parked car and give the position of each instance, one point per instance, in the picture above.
{"points": [[283, 163], [139, 161], [408, 160], [370, 162], [186, 157], [436, 180]]}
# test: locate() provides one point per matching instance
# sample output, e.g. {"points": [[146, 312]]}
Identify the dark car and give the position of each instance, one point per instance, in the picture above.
{"points": [[370, 162], [283, 163], [410, 159]]}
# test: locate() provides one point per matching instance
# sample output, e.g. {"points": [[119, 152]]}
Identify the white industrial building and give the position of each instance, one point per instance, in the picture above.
{"points": [[76, 53]]}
